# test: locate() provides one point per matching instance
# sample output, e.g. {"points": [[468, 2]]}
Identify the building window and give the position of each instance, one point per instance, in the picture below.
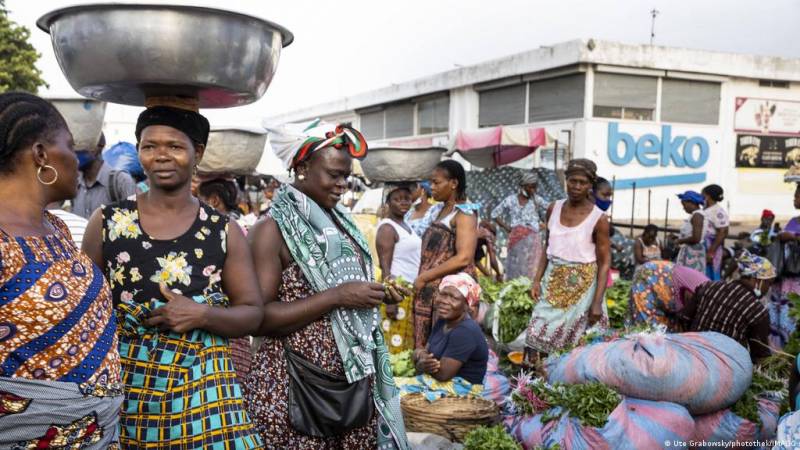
{"points": [[690, 101], [502, 106], [433, 115], [556, 98], [774, 83], [619, 96], [399, 120], [372, 124]]}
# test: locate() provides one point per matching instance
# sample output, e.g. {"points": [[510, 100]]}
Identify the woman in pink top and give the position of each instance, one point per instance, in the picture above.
{"points": [[570, 285], [659, 290]]}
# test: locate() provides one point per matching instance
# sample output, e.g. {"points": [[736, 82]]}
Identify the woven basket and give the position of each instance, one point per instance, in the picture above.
{"points": [[451, 417]]}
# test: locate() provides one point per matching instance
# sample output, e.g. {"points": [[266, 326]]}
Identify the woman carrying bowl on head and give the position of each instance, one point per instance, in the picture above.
{"points": [[571, 282], [448, 246], [59, 364], [321, 308], [183, 282]]}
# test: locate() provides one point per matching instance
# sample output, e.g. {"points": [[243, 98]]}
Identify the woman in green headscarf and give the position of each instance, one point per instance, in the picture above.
{"points": [[321, 305]]}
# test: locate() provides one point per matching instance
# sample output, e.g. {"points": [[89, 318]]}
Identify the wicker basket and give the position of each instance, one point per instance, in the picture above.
{"points": [[451, 417]]}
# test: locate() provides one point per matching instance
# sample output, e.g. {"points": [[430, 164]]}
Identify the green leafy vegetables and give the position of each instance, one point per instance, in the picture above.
{"points": [[747, 406], [515, 309], [490, 289], [402, 364], [590, 403], [617, 302], [490, 438]]}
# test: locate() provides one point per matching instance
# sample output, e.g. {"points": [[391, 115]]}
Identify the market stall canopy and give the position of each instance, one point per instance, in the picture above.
{"points": [[127, 53], [498, 146]]}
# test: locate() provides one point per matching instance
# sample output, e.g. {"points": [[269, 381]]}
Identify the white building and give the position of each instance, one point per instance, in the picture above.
{"points": [[666, 119]]}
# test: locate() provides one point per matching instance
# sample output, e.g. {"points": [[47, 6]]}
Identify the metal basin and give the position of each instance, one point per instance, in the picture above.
{"points": [[386, 164], [233, 150], [123, 53], [84, 118]]}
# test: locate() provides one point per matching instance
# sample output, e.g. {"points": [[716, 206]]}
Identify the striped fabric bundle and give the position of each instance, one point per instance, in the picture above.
{"points": [[725, 426], [705, 372], [633, 425]]}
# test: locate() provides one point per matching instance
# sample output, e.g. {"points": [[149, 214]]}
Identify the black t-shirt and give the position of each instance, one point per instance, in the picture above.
{"points": [[464, 343]]}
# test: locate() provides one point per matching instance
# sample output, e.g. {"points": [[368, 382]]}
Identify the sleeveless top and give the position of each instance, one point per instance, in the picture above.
{"points": [[56, 317], [687, 229], [190, 264], [406, 256], [651, 252], [572, 244]]}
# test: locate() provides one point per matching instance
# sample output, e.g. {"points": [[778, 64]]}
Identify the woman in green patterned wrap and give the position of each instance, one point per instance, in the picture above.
{"points": [[321, 300]]}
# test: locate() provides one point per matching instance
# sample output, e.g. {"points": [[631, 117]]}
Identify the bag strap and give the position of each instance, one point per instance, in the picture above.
{"points": [[112, 186]]}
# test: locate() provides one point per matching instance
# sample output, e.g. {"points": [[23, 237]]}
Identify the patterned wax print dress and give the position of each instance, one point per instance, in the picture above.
{"points": [[180, 389], [59, 365]]}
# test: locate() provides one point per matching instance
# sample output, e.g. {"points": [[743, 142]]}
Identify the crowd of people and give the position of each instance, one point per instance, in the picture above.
{"points": [[140, 336]]}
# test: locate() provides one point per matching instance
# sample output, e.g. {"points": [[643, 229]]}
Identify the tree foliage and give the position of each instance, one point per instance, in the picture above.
{"points": [[18, 71]]}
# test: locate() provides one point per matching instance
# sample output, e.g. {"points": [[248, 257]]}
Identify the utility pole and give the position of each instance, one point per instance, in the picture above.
{"points": [[653, 13]]}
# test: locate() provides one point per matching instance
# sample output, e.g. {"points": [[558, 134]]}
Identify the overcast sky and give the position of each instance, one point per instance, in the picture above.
{"points": [[345, 47]]}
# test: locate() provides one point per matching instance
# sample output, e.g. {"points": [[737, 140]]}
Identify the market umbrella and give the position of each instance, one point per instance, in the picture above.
{"points": [[497, 146]]}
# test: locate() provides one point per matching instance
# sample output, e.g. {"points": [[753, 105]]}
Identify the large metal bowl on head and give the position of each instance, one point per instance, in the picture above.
{"points": [[84, 118], [124, 53], [233, 150], [391, 164]]}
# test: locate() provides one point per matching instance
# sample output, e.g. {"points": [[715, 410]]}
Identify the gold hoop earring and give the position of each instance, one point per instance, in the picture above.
{"points": [[39, 175]]}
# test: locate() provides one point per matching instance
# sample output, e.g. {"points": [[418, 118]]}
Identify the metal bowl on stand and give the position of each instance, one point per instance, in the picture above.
{"points": [[125, 53], [84, 118], [388, 164]]}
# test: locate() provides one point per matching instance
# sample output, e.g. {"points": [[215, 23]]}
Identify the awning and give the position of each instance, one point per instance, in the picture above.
{"points": [[494, 147]]}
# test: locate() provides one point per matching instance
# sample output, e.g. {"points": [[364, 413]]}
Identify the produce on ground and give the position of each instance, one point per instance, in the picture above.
{"points": [[515, 309], [490, 438], [402, 364], [617, 297], [490, 289], [747, 406], [793, 344]]}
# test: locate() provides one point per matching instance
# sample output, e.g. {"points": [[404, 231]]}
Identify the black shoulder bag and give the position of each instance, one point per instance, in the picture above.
{"points": [[322, 404]]}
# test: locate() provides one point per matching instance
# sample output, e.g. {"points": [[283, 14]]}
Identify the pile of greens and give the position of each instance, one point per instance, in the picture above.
{"points": [[402, 364], [617, 302], [490, 289], [490, 438], [515, 309], [747, 406], [590, 403]]}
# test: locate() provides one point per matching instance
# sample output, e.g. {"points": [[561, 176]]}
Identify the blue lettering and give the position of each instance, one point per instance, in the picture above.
{"points": [[614, 138], [688, 154], [650, 151], [670, 148], [647, 145]]}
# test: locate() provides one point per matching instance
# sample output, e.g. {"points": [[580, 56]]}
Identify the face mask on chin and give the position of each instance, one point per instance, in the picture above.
{"points": [[603, 204]]}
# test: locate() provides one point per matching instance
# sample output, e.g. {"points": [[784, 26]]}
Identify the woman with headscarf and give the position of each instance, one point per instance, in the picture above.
{"points": [[59, 364], [448, 246], [455, 360], [733, 308], [692, 249], [717, 224], [183, 283], [398, 250], [782, 325], [222, 194], [321, 307], [418, 216], [659, 290], [518, 215], [571, 283]]}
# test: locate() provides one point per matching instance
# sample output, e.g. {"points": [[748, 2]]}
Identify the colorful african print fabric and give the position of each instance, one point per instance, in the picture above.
{"points": [[399, 332], [653, 299], [181, 390], [561, 316], [433, 389], [59, 365]]}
